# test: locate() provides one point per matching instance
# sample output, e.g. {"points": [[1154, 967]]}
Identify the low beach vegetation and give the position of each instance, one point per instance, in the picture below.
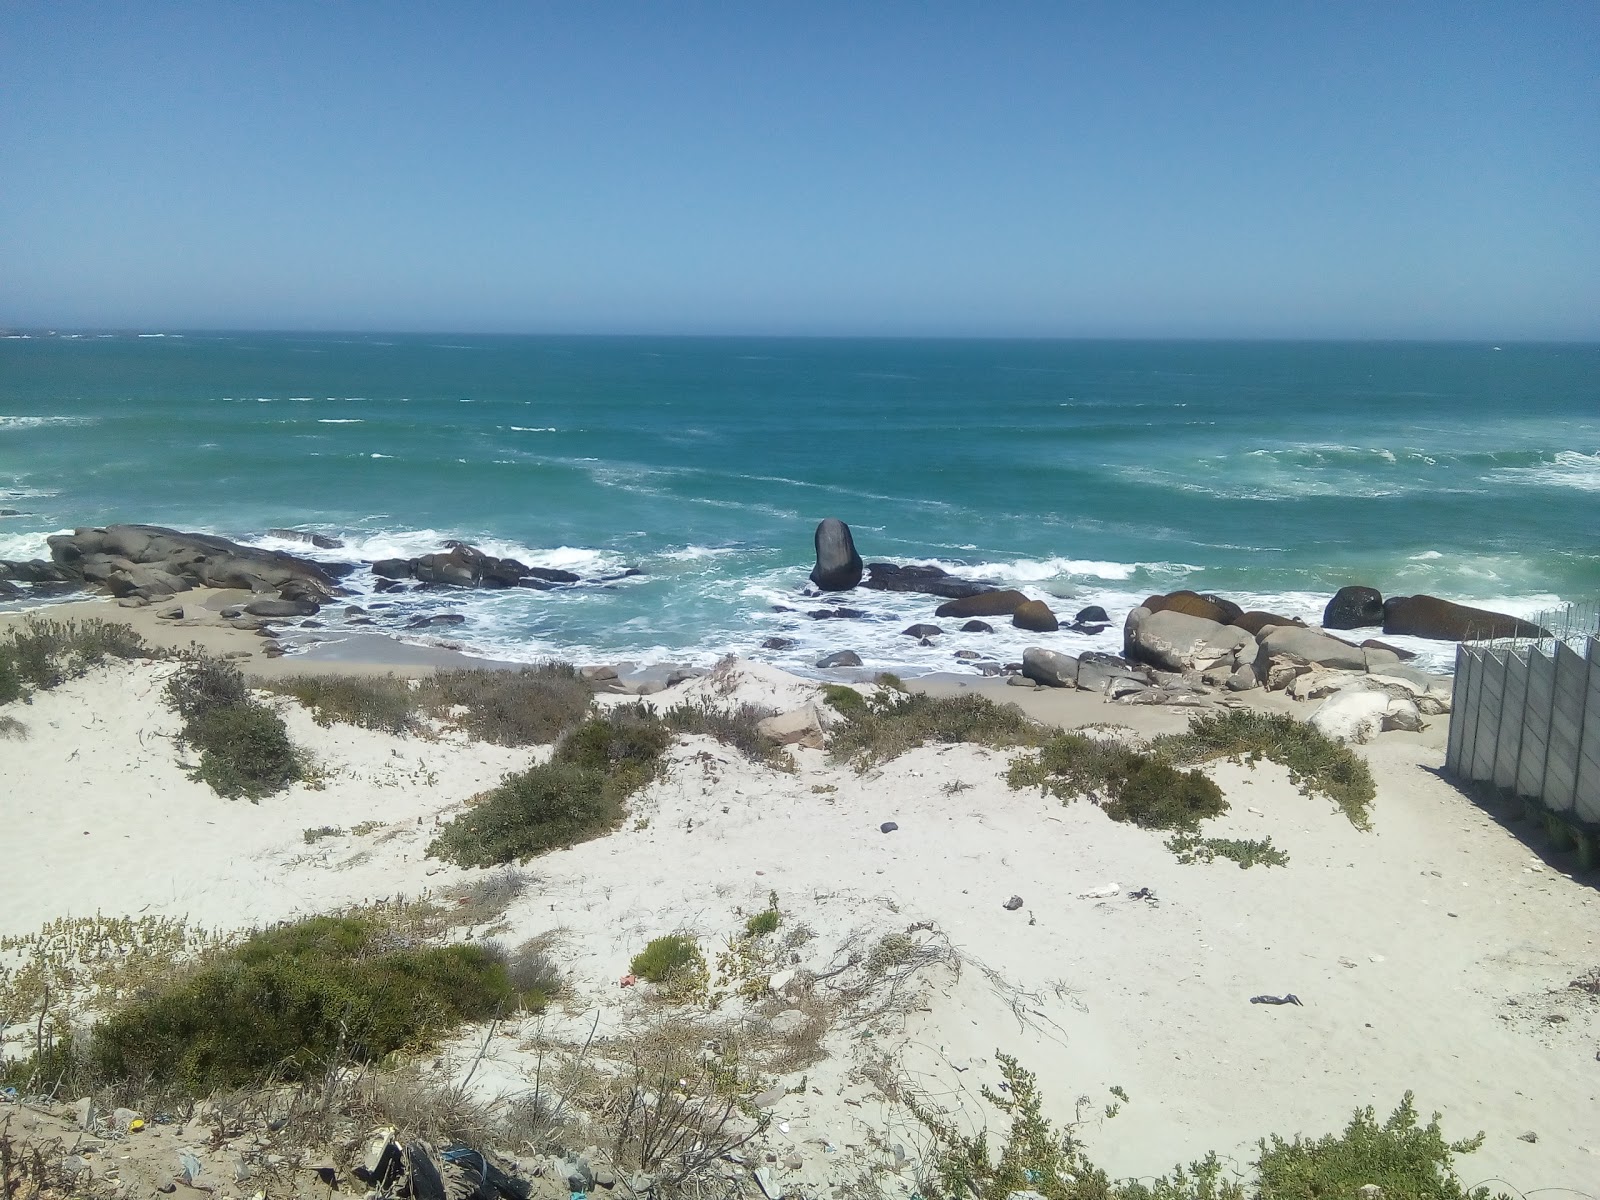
{"points": [[737, 727], [1315, 762], [890, 722], [40, 654], [1401, 1157], [1191, 848], [531, 706], [674, 964], [244, 746], [576, 796], [1126, 782]]}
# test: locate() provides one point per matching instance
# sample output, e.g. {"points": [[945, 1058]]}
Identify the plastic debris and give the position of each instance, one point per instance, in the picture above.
{"points": [[1290, 998]]}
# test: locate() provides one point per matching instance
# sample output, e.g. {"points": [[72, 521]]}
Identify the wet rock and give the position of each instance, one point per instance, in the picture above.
{"points": [[426, 622], [838, 567], [1035, 616], [967, 655], [1353, 607], [1255, 621], [779, 643], [1092, 615], [320, 541], [392, 568], [1194, 604], [838, 614], [1431, 617], [984, 604], [922, 631], [281, 608], [840, 658], [977, 627], [931, 581]]}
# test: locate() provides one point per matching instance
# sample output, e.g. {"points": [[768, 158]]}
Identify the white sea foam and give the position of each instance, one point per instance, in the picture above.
{"points": [[532, 428], [376, 455], [1567, 469], [696, 553], [22, 422], [21, 547], [340, 421]]}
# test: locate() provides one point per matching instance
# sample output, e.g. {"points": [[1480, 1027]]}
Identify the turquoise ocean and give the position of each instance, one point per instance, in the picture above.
{"points": [[1083, 472]]}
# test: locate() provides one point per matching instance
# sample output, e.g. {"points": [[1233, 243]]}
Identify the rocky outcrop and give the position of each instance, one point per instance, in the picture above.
{"points": [[319, 540], [1050, 667], [932, 581], [1035, 616], [838, 567], [1431, 617], [1194, 604], [1255, 621], [151, 562], [1313, 646], [984, 604], [1354, 607], [463, 565], [1173, 640]]}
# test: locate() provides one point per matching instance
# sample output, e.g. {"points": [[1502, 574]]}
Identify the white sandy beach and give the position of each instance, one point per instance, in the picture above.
{"points": [[1431, 953]]}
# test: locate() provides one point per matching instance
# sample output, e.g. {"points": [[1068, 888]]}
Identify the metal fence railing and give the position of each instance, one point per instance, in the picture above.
{"points": [[1525, 718]]}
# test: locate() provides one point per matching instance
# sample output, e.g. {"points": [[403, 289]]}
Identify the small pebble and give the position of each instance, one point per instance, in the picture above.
{"points": [[1013, 904], [888, 827]]}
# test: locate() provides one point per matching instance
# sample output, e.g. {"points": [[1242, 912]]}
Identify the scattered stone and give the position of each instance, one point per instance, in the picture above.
{"points": [[1243, 679], [840, 658], [1021, 681], [171, 613], [931, 581], [779, 643], [1092, 615], [888, 827], [1013, 904], [838, 567], [1530, 1136], [354, 610], [1097, 671], [977, 627], [967, 655], [922, 631]]}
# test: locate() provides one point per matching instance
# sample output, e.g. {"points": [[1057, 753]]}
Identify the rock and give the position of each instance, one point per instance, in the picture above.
{"points": [[604, 1178], [598, 674], [424, 622], [392, 568], [75, 1165], [1255, 621], [1177, 641], [799, 727], [931, 581], [1193, 604], [1243, 679], [1013, 904], [779, 643], [967, 655], [1353, 607], [171, 613], [1314, 646], [354, 610], [552, 575], [977, 627], [1021, 681], [840, 658], [984, 604], [1431, 617], [1050, 667], [1399, 654], [838, 614], [1377, 656], [1092, 615], [9, 590], [1403, 715], [1097, 671], [1035, 616], [838, 567], [922, 631], [199, 559], [1282, 671], [281, 608], [1353, 715], [147, 582], [320, 541], [888, 827]]}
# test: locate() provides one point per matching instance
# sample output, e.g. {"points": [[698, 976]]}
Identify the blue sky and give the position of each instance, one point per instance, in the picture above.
{"points": [[1067, 169]]}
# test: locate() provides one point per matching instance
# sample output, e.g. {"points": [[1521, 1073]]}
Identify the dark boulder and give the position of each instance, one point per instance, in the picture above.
{"points": [[837, 614], [461, 566], [1036, 617], [1093, 615], [977, 627], [1431, 617], [1050, 668], [922, 631], [984, 604], [930, 581], [36, 570], [392, 568], [436, 619], [1196, 604], [1354, 607], [319, 540], [840, 658], [281, 608], [536, 584], [779, 643], [838, 567], [1255, 621], [9, 590], [551, 575]]}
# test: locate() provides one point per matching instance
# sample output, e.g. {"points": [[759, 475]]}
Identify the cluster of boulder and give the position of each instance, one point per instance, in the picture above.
{"points": [[1421, 616], [463, 565]]}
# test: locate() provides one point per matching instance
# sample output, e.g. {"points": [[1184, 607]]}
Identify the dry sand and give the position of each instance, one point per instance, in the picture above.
{"points": [[1430, 953]]}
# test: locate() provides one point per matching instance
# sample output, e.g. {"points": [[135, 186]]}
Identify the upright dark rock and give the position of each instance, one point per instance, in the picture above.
{"points": [[838, 566], [1354, 607]]}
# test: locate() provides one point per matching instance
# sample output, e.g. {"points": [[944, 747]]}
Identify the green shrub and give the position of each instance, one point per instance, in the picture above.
{"points": [[1399, 1156], [40, 654], [889, 723], [1314, 760], [289, 1000], [736, 727], [547, 807], [844, 698], [318, 832], [529, 707], [1128, 784], [384, 702], [624, 746], [763, 923], [1191, 848], [667, 959], [244, 746]]}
